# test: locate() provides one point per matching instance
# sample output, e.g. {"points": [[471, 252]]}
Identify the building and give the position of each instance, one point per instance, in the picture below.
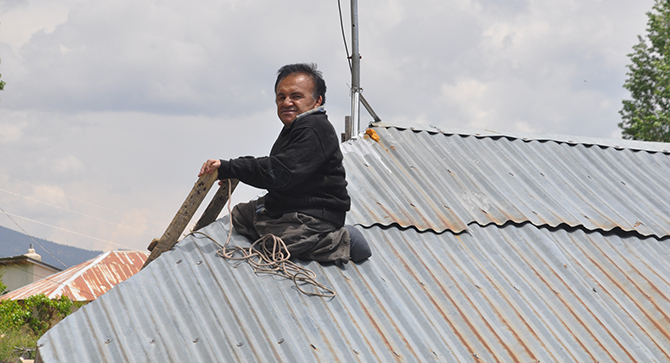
{"points": [[25, 269], [88, 280], [486, 247]]}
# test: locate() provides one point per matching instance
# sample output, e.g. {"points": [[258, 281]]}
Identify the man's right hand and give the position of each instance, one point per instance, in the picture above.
{"points": [[209, 166]]}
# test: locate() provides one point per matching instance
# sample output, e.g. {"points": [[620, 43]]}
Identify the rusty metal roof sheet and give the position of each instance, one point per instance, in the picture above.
{"points": [[511, 286], [441, 181], [86, 281]]}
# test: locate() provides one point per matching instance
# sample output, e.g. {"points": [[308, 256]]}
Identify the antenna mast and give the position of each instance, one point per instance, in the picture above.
{"points": [[352, 124], [355, 120]]}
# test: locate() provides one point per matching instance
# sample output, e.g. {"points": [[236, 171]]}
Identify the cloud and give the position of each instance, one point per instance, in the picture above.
{"points": [[11, 132], [114, 105], [164, 57], [68, 164], [552, 67], [94, 173], [467, 99], [23, 18], [48, 195]]}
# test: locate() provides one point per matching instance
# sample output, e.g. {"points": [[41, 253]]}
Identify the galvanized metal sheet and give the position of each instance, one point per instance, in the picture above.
{"points": [[510, 287], [86, 281], [512, 293], [447, 181]]}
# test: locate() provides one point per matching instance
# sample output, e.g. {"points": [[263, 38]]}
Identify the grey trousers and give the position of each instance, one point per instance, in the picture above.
{"points": [[306, 237]]}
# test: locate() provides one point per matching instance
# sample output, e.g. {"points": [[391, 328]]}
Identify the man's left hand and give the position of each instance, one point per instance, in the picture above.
{"points": [[209, 166]]}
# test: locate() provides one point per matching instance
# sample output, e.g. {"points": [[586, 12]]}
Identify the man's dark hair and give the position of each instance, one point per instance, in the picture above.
{"points": [[308, 69]]}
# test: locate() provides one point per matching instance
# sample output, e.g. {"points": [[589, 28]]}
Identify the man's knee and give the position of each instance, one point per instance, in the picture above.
{"points": [[359, 247], [242, 219]]}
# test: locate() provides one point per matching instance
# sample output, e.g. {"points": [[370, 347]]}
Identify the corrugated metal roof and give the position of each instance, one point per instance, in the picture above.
{"points": [[86, 281], [512, 293], [516, 284], [446, 181]]}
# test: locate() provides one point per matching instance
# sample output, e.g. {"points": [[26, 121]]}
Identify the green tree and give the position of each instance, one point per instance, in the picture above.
{"points": [[646, 116]]}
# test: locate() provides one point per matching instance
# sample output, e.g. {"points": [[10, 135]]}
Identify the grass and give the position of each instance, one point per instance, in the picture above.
{"points": [[16, 343]]}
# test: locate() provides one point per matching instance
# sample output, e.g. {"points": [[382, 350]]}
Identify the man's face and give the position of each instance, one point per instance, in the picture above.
{"points": [[294, 95]]}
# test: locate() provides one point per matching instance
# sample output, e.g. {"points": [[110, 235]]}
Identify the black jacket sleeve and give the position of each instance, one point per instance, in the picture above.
{"points": [[298, 158]]}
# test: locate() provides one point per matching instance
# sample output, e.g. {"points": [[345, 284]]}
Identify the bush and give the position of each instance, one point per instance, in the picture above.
{"points": [[22, 324], [12, 315], [44, 311]]}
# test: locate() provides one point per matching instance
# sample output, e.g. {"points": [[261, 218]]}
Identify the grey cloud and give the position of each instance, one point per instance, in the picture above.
{"points": [[120, 103]]}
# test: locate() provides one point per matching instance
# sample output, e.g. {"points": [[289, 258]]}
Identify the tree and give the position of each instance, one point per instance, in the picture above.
{"points": [[647, 115]]}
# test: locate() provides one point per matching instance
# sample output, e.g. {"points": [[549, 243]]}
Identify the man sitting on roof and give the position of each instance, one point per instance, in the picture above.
{"points": [[307, 197]]}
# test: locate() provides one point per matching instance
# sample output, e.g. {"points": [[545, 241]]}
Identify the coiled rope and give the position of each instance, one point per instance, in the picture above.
{"points": [[269, 255]]}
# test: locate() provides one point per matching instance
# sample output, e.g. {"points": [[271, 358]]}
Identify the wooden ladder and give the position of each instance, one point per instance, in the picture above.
{"points": [[188, 209]]}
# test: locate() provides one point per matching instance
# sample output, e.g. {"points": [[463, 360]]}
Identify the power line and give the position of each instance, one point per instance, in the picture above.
{"points": [[344, 38], [65, 230], [67, 210], [71, 211], [31, 237], [68, 197]]}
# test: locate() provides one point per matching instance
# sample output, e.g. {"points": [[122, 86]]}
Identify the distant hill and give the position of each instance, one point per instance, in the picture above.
{"points": [[13, 243]]}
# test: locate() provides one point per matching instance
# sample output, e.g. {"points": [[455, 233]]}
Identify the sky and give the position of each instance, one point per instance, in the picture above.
{"points": [[112, 106]]}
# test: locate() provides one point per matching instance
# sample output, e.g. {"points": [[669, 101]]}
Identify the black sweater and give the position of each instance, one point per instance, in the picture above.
{"points": [[304, 172]]}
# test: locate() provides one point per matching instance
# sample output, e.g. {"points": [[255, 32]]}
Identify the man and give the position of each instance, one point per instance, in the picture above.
{"points": [[307, 197]]}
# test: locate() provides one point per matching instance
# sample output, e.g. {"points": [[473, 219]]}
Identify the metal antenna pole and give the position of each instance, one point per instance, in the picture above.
{"points": [[355, 73]]}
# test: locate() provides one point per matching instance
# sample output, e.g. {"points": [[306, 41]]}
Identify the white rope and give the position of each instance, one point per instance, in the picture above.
{"points": [[269, 255]]}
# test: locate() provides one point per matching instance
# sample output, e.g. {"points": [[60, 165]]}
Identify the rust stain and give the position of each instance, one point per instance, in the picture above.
{"points": [[649, 315], [365, 341], [373, 134], [572, 311], [451, 221], [88, 280], [516, 310], [440, 308], [377, 327], [460, 311], [486, 322]]}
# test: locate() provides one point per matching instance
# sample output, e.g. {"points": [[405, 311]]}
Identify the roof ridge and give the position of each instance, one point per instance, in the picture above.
{"points": [[618, 144], [92, 263]]}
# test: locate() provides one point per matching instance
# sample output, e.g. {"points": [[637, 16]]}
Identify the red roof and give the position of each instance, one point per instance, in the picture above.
{"points": [[86, 281]]}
